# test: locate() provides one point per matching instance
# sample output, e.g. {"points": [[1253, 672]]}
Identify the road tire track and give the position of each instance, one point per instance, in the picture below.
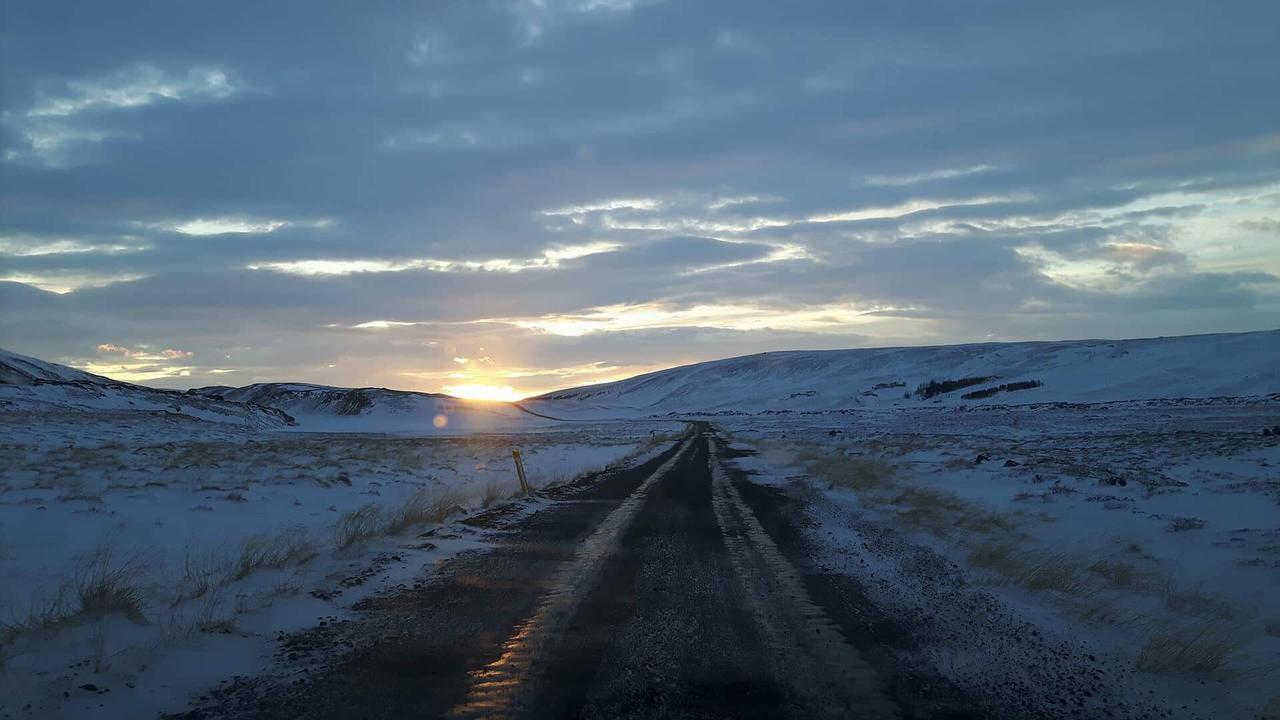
{"points": [[828, 676], [501, 689]]}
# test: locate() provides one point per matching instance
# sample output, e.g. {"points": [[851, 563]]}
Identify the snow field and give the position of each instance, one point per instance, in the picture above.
{"points": [[1152, 531], [160, 568]]}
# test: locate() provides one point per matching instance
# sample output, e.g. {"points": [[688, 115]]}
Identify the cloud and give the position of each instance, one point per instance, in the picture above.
{"points": [[930, 176], [551, 257], [623, 185], [136, 86], [606, 205], [55, 124]]}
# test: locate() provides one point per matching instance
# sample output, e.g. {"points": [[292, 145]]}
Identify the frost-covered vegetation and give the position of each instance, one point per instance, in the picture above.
{"points": [[128, 537], [1149, 532]]}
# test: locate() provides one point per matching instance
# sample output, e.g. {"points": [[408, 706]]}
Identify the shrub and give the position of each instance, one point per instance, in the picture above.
{"points": [[1007, 387], [928, 389]]}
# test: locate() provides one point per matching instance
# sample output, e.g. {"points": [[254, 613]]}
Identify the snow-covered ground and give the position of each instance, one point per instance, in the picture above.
{"points": [[156, 555], [153, 543], [1143, 533]]}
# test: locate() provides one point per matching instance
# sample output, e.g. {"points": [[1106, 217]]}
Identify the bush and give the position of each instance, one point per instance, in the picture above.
{"points": [[928, 389], [1007, 387]]}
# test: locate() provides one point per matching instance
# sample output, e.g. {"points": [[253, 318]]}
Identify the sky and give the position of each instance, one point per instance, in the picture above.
{"points": [[504, 198]]}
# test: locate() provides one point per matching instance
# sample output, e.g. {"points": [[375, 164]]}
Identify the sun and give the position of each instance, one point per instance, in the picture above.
{"points": [[479, 391]]}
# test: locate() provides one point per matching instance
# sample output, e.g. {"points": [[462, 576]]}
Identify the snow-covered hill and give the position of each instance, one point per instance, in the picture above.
{"points": [[1242, 364], [28, 384], [320, 407]]}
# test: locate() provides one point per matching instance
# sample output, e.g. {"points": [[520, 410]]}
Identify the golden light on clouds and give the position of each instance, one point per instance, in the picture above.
{"points": [[481, 391]]}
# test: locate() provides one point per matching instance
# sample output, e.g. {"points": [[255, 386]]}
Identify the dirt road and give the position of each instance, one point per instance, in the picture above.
{"points": [[671, 589]]}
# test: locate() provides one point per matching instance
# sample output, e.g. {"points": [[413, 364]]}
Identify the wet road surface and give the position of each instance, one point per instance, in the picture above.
{"points": [[671, 589]]}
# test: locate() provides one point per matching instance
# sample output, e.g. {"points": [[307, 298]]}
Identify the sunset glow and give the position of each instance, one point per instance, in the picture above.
{"points": [[488, 393]]}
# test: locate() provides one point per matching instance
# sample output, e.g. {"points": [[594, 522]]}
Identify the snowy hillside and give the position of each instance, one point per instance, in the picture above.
{"points": [[28, 384], [320, 407], [1243, 364]]}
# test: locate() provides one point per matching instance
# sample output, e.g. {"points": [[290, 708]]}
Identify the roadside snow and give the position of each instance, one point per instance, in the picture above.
{"points": [[1144, 534], [204, 541]]}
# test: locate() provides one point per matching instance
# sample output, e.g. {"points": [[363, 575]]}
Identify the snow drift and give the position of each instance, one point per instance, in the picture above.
{"points": [[1198, 366]]}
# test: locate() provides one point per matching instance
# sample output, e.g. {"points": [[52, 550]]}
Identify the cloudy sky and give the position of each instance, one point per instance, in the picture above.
{"points": [[536, 194]]}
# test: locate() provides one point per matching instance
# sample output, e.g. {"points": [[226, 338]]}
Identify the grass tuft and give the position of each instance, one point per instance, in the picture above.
{"points": [[422, 508], [1198, 603], [291, 547], [1197, 651], [1034, 571], [846, 472], [105, 583], [357, 526], [1121, 574]]}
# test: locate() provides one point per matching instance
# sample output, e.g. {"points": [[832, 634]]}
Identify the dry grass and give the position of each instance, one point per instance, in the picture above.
{"points": [[492, 493], [426, 506], [1120, 574], [1199, 603], [1197, 651], [839, 470], [1112, 612], [1036, 571], [423, 507], [291, 547], [107, 583], [185, 622], [201, 574], [357, 526]]}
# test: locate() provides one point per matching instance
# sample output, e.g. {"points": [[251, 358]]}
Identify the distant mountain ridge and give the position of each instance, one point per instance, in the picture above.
{"points": [[27, 383], [1084, 371], [1196, 366], [372, 408]]}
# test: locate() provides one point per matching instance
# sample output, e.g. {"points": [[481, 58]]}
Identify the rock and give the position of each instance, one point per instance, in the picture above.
{"points": [[982, 457], [1266, 432], [1011, 463], [90, 687]]}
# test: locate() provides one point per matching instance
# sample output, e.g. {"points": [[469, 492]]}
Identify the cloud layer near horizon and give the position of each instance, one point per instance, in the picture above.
{"points": [[541, 194]]}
